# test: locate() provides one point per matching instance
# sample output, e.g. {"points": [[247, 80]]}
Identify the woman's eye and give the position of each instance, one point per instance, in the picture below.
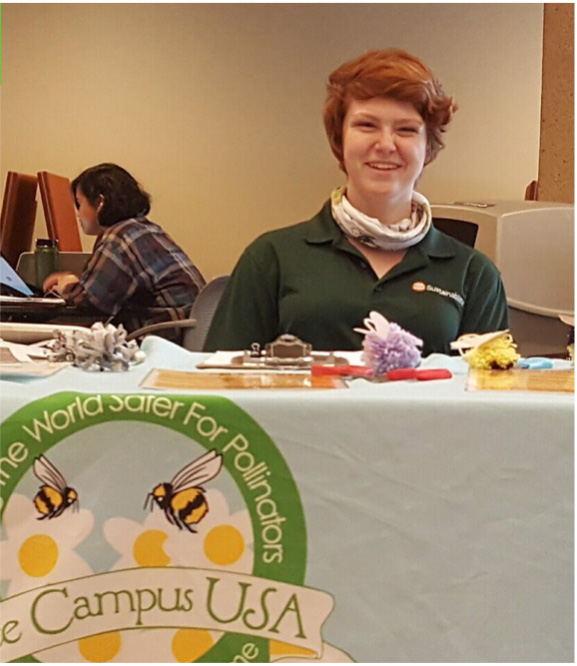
{"points": [[409, 130], [364, 124]]}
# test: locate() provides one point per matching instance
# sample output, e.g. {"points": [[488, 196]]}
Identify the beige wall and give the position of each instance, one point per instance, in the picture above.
{"points": [[216, 109]]}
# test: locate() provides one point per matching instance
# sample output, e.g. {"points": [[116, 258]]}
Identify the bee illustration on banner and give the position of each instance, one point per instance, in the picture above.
{"points": [[55, 495], [183, 500]]}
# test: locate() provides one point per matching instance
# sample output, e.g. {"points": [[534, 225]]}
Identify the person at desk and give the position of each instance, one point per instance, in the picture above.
{"points": [[372, 246], [136, 273]]}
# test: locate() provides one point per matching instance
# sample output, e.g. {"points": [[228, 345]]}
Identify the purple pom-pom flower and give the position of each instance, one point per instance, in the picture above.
{"points": [[387, 346]]}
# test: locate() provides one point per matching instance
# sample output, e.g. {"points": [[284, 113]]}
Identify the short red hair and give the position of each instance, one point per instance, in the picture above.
{"points": [[392, 73]]}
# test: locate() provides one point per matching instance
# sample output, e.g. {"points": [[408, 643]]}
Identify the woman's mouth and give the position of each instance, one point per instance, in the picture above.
{"points": [[383, 166]]}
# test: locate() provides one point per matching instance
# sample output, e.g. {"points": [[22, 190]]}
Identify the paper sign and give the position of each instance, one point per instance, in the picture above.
{"points": [[181, 381], [557, 381]]}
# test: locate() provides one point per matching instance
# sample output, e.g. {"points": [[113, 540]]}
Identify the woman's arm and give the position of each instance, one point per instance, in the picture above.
{"points": [[111, 275], [486, 304], [248, 310]]}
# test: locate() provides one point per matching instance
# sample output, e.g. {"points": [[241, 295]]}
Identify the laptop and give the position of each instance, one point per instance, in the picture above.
{"points": [[17, 295]]}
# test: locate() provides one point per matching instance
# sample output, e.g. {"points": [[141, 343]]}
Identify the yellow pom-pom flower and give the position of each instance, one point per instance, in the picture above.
{"points": [[490, 351]]}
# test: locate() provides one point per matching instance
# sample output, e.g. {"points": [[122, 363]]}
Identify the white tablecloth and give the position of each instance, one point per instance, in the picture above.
{"points": [[439, 520]]}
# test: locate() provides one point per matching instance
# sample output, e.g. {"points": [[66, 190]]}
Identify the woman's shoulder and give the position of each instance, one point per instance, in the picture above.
{"points": [[442, 243], [131, 227], [476, 259], [298, 232]]}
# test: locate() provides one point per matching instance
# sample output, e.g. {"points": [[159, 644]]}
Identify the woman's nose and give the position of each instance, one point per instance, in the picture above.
{"points": [[386, 140]]}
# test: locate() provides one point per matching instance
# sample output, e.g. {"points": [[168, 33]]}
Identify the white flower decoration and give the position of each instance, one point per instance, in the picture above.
{"points": [[39, 552], [222, 540]]}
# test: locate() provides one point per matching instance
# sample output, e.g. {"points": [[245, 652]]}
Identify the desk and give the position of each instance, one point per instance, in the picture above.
{"points": [[400, 522]]}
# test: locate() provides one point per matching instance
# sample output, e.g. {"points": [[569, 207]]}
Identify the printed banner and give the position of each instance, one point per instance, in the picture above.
{"points": [[154, 528], [162, 597]]}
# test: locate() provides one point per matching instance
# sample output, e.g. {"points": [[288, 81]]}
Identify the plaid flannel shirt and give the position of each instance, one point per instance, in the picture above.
{"points": [[138, 275]]}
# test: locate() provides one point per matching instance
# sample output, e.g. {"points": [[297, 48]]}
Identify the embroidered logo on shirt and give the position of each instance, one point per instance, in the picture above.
{"points": [[421, 286]]}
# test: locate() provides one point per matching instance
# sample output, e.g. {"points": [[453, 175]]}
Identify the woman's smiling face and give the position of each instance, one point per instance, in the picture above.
{"points": [[384, 151]]}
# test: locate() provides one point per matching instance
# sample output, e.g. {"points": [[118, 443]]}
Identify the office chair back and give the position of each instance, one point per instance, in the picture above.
{"points": [[460, 230], [203, 311], [59, 211], [195, 327], [18, 215]]}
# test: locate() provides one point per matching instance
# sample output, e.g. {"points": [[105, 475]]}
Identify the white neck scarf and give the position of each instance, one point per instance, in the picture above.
{"points": [[370, 232]]}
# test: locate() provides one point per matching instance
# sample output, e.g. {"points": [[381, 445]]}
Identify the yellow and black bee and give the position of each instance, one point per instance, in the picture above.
{"points": [[183, 500], [55, 495]]}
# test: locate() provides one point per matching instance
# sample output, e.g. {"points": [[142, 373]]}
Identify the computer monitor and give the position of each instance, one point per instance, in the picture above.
{"points": [[11, 284], [59, 211], [18, 215]]}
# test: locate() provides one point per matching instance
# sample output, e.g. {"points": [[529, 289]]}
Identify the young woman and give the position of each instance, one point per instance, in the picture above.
{"points": [[372, 246], [136, 273]]}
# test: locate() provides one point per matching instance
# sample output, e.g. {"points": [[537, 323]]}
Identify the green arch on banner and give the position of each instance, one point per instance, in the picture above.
{"points": [[66, 413]]}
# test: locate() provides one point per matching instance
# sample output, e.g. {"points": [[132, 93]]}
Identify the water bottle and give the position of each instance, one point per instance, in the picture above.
{"points": [[46, 259]]}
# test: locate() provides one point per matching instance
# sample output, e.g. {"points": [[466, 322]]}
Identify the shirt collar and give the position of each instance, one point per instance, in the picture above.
{"points": [[323, 229]]}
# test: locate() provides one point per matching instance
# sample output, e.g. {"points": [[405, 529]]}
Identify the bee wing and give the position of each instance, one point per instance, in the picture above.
{"points": [[48, 474], [197, 472], [195, 464]]}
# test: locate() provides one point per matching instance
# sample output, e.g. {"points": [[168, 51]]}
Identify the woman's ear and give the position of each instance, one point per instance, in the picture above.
{"points": [[100, 203]]}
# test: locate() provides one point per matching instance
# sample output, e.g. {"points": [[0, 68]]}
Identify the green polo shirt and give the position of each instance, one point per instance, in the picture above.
{"points": [[308, 280]]}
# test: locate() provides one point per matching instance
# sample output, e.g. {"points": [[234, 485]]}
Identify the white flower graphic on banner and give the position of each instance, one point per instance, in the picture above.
{"points": [[38, 552], [160, 564], [223, 540], [159, 645]]}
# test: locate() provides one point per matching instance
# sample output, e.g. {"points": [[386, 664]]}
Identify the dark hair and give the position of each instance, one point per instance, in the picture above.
{"points": [[390, 73], [123, 196]]}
